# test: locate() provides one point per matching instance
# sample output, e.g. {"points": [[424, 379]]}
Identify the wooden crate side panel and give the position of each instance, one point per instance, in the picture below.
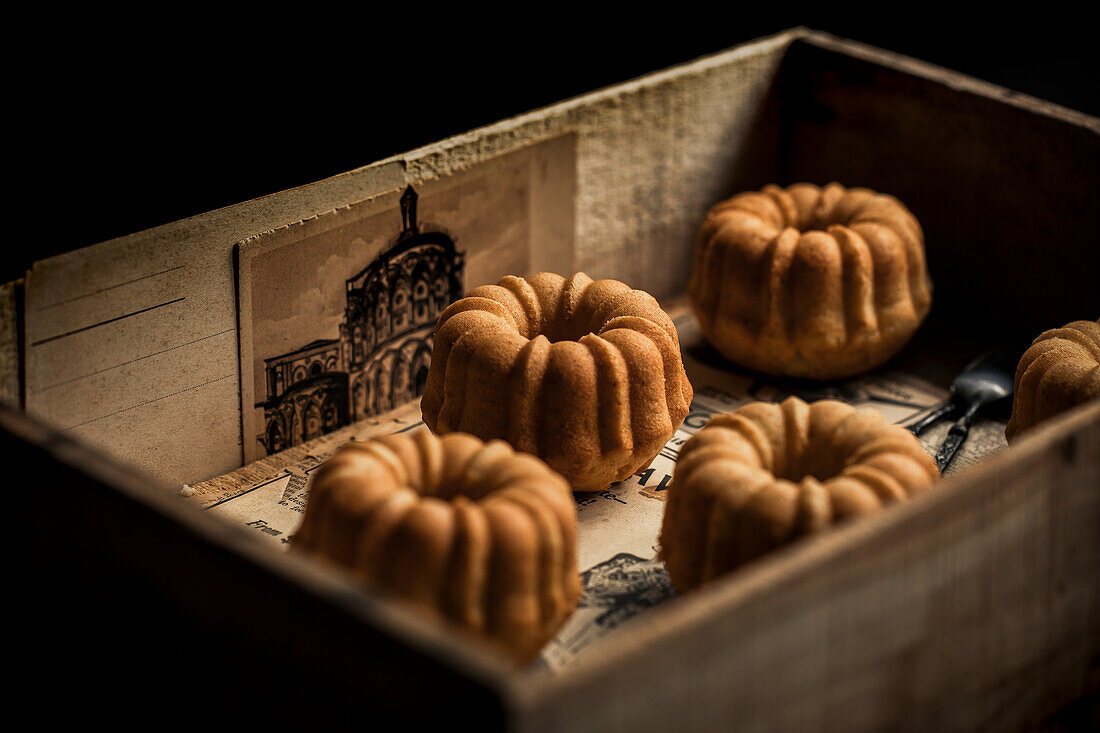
{"points": [[652, 155], [1003, 185], [652, 160], [109, 583], [643, 179], [976, 608], [11, 323]]}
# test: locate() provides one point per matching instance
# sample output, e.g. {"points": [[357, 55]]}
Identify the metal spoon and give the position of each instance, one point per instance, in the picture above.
{"points": [[985, 381]]}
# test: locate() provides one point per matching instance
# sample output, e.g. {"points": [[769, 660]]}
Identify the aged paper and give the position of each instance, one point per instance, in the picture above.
{"points": [[337, 313], [10, 389], [619, 527], [132, 345], [133, 349]]}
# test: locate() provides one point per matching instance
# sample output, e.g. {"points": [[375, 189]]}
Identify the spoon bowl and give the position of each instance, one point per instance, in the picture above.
{"points": [[984, 382], [988, 378]]}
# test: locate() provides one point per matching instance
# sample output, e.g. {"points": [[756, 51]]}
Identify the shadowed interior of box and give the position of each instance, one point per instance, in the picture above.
{"points": [[1005, 196], [1004, 192], [1006, 208]]}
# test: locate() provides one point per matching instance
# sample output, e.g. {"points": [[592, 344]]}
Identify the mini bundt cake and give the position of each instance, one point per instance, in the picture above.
{"points": [[1059, 371], [822, 283], [475, 533], [586, 375], [767, 474]]}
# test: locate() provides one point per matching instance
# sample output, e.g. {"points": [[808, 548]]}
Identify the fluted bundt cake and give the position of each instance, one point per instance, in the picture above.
{"points": [[1059, 371], [475, 533], [767, 474], [586, 375], [810, 282]]}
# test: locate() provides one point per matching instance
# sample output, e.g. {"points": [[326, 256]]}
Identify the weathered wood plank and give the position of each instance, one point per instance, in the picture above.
{"points": [[977, 606], [97, 540], [1003, 185], [10, 328]]}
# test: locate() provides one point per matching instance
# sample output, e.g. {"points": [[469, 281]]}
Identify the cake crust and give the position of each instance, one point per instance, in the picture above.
{"points": [[1060, 370], [767, 474], [473, 533], [585, 374], [807, 281]]}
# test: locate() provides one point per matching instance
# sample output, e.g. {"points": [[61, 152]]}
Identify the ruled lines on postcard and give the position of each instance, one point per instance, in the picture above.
{"points": [[140, 361]]}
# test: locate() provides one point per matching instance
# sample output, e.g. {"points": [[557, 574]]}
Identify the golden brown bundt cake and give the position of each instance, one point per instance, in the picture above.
{"points": [[586, 375], [810, 282], [766, 474], [1059, 371], [473, 532]]}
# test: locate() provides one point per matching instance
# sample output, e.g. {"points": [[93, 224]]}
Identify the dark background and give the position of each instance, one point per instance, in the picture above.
{"points": [[144, 124]]}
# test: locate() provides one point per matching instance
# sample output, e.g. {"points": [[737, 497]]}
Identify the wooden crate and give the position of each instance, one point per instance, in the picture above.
{"points": [[976, 606]]}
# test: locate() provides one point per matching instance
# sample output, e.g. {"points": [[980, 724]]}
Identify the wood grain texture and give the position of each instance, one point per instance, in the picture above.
{"points": [[977, 606], [11, 299], [1003, 184], [97, 539]]}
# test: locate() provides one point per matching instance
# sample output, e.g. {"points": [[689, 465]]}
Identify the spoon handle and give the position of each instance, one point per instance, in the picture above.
{"points": [[955, 438], [943, 410]]}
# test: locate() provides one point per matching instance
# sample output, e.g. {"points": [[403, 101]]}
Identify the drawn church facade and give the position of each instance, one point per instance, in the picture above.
{"points": [[380, 360]]}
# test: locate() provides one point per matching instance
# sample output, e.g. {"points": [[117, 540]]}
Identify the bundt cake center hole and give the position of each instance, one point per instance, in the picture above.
{"points": [[817, 224], [821, 463], [567, 331], [451, 490], [555, 332], [577, 337]]}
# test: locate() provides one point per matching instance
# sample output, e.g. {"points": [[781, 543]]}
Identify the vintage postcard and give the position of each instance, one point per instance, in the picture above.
{"points": [[337, 313]]}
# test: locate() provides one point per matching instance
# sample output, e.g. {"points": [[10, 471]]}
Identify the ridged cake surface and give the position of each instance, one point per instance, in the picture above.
{"points": [[812, 282], [585, 374], [766, 474], [473, 532], [1059, 371]]}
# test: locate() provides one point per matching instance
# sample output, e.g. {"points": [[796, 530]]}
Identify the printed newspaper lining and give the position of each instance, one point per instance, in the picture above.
{"points": [[618, 527]]}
